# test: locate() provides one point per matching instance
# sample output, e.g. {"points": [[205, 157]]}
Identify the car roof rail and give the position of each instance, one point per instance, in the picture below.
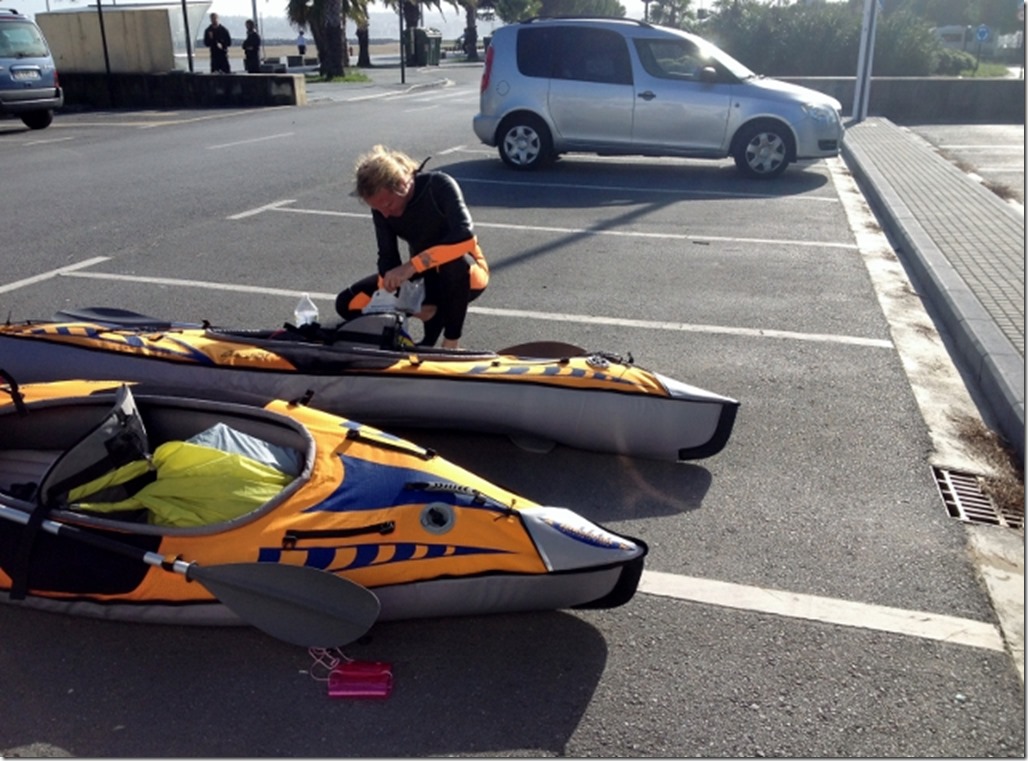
{"points": [[587, 18]]}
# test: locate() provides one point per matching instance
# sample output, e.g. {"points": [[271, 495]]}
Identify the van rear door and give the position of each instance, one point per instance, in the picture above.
{"points": [[591, 98]]}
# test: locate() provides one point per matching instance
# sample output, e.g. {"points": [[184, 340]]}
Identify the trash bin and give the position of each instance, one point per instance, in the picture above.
{"points": [[427, 46], [420, 47], [435, 45]]}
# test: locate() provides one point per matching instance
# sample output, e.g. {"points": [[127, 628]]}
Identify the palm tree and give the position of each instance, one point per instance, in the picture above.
{"points": [[470, 28], [326, 20]]}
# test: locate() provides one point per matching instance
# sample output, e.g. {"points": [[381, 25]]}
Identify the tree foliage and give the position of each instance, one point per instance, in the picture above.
{"points": [[581, 8], [821, 39], [673, 13], [998, 15], [511, 11]]}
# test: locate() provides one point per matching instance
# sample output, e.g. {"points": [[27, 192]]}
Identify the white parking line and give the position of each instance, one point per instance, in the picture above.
{"points": [[52, 273], [911, 623], [250, 141], [682, 327], [48, 141], [273, 206], [279, 206], [519, 314], [1012, 147]]}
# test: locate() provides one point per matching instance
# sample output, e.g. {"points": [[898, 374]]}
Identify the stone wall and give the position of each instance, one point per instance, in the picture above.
{"points": [[183, 90], [936, 100]]}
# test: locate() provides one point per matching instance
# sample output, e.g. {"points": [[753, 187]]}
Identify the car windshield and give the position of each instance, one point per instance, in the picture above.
{"points": [[20, 39]]}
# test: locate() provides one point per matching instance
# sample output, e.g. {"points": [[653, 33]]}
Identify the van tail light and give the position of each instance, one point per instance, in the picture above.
{"points": [[488, 69]]}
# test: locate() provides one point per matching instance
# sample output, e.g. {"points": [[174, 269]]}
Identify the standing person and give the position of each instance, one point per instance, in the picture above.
{"points": [[217, 38], [252, 49], [301, 43], [427, 210]]}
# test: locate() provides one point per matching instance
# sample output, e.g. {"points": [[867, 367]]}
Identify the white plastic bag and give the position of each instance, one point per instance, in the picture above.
{"points": [[411, 297]]}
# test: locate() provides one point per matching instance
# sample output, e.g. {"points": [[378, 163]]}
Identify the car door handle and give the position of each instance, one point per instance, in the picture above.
{"points": [[648, 95]]}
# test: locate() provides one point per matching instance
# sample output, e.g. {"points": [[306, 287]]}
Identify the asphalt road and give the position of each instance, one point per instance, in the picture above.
{"points": [[807, 593]]}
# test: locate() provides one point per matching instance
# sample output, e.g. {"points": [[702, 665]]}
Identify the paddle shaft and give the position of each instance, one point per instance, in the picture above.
{"points": [[97, 540]]}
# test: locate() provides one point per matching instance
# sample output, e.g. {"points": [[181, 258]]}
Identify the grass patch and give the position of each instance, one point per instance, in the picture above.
{"points": [[351, 75], [1006, 486], [1005, 192], [993, 70]]}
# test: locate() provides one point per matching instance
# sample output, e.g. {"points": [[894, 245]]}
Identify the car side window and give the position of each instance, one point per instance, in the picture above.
{"points": [[535, 52], [592, 55], [671, 59]]}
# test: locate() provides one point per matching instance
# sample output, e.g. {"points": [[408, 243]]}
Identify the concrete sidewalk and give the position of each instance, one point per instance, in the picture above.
{"points": [[965, 247]]}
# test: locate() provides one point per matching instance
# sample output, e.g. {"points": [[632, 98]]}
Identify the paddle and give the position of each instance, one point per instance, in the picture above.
{"points": [[544, 350], [297, 604]]}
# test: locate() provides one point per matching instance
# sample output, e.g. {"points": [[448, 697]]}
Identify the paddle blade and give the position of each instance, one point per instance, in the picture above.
{"points": [[544, 350], [296, 604]]}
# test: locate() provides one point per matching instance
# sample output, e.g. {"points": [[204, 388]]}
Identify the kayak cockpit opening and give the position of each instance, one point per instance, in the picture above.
{"points": [[164, 465]]}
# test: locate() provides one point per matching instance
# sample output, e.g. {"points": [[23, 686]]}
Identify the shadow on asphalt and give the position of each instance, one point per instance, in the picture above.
{"points": [[463, 686], [487, 182], [601, 487]]}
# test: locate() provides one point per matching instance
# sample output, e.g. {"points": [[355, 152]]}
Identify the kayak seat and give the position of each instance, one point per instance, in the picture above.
{"points": [[119, 438], [385, 330]]}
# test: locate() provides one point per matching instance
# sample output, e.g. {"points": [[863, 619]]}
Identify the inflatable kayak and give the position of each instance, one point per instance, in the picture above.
{"points": [[215, 484], [368, 370]]}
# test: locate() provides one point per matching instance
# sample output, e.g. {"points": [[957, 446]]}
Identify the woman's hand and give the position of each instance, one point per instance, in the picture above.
{"points": [[397, 276]]}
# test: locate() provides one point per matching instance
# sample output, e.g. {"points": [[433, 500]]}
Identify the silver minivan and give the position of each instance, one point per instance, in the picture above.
{"points": [[29, 86], [624, 87]]}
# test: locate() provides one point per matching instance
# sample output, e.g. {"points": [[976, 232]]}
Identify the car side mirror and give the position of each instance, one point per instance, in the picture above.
{"points": [[708, 74]]}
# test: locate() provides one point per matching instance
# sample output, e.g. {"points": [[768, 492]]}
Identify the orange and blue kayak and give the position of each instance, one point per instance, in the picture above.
{"points": [[368, 370], [217, 483]]}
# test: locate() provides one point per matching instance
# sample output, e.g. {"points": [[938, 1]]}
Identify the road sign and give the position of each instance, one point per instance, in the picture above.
{"points": [[982, 32]]}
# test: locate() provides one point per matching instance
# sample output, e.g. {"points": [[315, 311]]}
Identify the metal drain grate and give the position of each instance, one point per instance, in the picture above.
{"points": [[964, 499]]}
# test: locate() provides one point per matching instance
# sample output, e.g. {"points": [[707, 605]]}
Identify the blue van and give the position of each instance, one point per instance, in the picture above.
{"points": [[29, 87]]}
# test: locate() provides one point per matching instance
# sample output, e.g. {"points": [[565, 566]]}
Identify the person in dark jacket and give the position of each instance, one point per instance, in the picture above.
{"points": [[217, 38], [427, 210], [252, 49]]}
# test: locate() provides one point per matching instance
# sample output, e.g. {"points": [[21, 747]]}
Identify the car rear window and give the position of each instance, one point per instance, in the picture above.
{"points": [[20, 39]]}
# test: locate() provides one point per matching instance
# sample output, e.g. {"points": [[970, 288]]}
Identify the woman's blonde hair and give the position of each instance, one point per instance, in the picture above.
{"points": [[382, 168]]}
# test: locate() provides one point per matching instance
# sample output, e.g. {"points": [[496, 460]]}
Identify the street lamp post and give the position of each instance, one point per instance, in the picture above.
{"points": [[865, 59], [189, 42], [403, 48]]}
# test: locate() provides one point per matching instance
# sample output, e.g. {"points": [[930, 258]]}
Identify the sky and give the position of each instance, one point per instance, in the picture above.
{"points": [[450, 22]]}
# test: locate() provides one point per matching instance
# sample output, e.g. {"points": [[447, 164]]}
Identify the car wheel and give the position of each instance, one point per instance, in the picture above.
{"points": [[38, 119], [525, 142], [763, 150]]}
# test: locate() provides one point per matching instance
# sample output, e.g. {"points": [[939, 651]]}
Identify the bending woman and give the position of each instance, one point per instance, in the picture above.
{"points": [[427, 211]]}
